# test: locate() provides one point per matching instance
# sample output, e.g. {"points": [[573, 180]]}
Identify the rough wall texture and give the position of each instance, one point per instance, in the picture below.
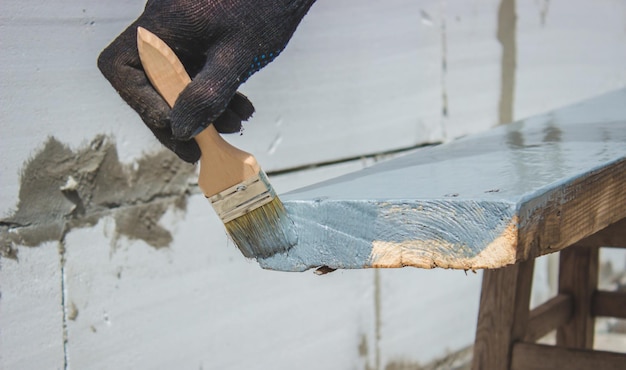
{"points": [[110, 258], [62, 189]]}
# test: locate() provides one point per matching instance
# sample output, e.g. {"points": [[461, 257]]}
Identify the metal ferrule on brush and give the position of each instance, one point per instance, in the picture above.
{"points": [[242, 198]]}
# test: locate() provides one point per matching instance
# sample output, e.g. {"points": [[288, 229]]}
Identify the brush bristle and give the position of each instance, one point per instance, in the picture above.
{"points": [[264, 231]]}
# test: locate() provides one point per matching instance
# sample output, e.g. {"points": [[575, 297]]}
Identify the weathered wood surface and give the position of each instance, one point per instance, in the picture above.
{"points": [[528, 356], [609, 304], [486, 201], [503, 315], [578, 278], [611, 236], [549, 316]]}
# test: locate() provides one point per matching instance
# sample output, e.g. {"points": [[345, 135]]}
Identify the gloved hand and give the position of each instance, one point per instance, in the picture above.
{"points": [[221, 43]]}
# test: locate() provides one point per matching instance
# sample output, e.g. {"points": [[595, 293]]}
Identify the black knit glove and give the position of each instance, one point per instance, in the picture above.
{"points": [[221, 43]]}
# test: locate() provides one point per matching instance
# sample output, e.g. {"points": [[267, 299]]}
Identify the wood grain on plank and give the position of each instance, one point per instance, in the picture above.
{"points": [[418, 253], [576, 210], [486, 201], [528, 356], [611, 236]]}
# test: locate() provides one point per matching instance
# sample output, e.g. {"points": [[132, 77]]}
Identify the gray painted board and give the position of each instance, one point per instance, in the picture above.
{"points": [[485, 201]]}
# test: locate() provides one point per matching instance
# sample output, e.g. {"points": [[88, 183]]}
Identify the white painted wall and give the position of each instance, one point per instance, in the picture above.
{"points": [[359, 77]]}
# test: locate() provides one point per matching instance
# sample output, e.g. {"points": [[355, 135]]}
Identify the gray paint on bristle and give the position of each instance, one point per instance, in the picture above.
{"points": [[468, 204], [264, 231]]}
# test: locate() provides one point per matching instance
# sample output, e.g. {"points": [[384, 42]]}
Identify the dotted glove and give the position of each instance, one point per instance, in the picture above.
{"points": [[221, 43]]}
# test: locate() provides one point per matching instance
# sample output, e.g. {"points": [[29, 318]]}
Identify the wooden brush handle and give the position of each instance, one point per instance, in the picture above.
{"points": [[221, 164]]}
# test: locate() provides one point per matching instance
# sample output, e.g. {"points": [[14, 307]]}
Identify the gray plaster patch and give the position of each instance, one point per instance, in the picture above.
{"points": [[62, 189]]}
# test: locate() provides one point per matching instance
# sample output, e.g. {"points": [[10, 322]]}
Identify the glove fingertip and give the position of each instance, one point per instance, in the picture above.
{"points": [[228, 122], [241, 106], [188, 150]]}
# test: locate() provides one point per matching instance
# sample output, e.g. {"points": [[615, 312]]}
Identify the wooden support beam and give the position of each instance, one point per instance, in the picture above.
{"points": [[578, 277], [612, 236], [503, 315], [609, 304], [528, 356], [582, 208], [548, 317], [482, 202]]}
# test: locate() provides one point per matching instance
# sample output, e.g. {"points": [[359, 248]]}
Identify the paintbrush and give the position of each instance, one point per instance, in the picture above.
{"points": [[230, 178]]}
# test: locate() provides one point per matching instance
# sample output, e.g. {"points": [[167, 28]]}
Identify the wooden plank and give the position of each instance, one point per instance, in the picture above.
{"points": [[611, 236], [549, 316], [503, 315], [485, 201], [578, 277], [527, 356], [583, 207], [609, 304]]}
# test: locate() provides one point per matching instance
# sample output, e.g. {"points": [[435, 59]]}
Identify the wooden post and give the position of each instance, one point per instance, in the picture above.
{"points": [[578, 277], [542, 357], [503, 315]]}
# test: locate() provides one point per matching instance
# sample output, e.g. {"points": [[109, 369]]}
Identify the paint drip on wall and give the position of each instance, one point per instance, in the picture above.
{"points": [[62, 189]]}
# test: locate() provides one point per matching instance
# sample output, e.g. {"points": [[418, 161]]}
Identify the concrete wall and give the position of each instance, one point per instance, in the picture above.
{"points": [[128, 267]]}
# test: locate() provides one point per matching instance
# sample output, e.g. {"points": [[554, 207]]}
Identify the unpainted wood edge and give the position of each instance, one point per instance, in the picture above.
{"points": [[499, 253], [557, 223], [538, 356], [609, 304], [549, 316]]}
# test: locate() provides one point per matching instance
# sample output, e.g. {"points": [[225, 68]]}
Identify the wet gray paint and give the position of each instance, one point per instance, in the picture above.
{"points": [[62, 189], [464, 193], [340, 233]]}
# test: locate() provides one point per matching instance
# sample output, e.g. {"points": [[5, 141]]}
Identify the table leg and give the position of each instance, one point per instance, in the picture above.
{"points": [[578, 277], [503, 315]]}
